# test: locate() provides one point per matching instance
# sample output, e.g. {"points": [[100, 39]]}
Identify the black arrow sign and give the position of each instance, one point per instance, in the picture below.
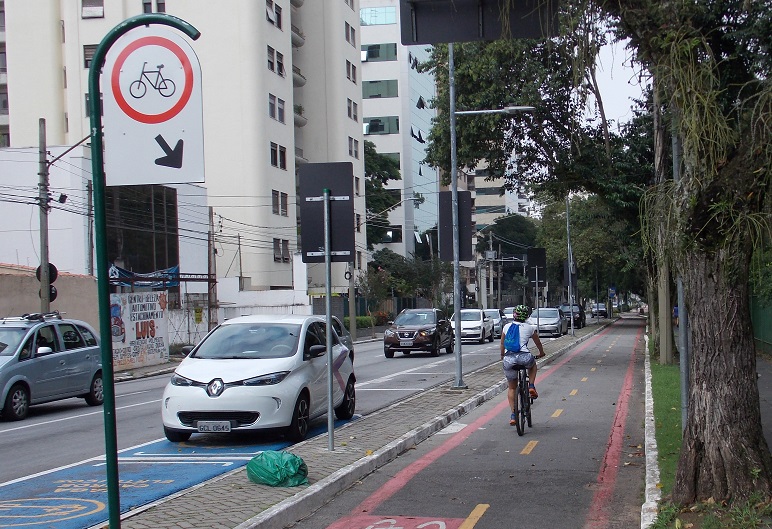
{"points": [[173, 157]]}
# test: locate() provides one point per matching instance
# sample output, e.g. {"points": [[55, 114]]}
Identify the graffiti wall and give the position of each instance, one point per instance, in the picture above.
{"points": [[139, 329]]}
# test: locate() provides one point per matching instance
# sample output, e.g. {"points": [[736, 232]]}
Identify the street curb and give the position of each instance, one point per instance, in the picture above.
{"points": [[650, 508]]}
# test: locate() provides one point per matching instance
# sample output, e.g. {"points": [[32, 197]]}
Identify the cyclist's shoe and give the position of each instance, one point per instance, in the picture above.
{"points": [[532, 392], [512, 419]]}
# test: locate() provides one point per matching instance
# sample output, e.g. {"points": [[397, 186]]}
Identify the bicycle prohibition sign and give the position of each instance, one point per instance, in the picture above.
{"points": [[165, 87]]}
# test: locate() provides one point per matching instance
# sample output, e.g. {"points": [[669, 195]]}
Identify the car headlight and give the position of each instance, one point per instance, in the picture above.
{"points": [[476, 328], [179, 380], [426, 332], [389, 332], [267, 380]]}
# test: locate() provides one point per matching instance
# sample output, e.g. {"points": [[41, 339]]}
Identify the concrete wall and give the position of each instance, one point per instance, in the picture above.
{"points": [[76, 294]]}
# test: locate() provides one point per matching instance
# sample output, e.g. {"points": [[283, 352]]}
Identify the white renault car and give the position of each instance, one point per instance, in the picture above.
{"points": [[258, 372], [475, 325]]}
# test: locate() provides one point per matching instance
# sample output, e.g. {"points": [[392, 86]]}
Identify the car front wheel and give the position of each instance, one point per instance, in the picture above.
{"points": [[298, 428], [388, 353], [16, 403]]}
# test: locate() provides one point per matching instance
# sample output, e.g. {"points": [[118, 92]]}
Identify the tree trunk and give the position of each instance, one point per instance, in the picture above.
{"points": [[724, 455]]}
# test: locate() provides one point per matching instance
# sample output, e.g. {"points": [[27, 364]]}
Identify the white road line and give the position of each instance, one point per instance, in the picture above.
{"points": [[391, 389], [100, 412]]}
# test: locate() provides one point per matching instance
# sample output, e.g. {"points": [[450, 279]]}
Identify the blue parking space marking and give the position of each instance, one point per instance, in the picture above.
{"points": [[76, 497]]}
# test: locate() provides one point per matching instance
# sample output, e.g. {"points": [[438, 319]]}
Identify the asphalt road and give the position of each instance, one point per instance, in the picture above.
{"points": [[581, 465], [68, 432]]}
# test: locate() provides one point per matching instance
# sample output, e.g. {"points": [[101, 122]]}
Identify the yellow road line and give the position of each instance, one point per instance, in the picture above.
{"points": [[557, 412], [475, 516], [574, 392], [584, 379], [530, 446]]}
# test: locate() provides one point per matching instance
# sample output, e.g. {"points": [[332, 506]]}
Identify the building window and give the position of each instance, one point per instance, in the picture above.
{"points": [[274, 154], [393, 234], [280, 64], [378, 16], [359, 260], [285, 253], [359, 222], [351, 72], [282, 157], [92, 9], [379, 52], [273, 13], [349, 3], [5, 139], [271, 59], [101, 106], [88, 54], [147, 6], [275, 202], [281, 250], [277, 250], [351, 35], [272, 106], [279, 203], [4, 101], [353, 110], [378, 89], [160, 6], [280, 110], [283, 203], [4, 64], [353, 148], [381, 125], [356, 185]]}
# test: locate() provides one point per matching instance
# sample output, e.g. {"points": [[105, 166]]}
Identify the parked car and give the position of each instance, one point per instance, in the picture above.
{"points": [[508, 315], [43, 358], [344, 336], [599, 309], [577, 311], [258, 372], [550, 321], [418, 330], [474, 325], [498, 319]]}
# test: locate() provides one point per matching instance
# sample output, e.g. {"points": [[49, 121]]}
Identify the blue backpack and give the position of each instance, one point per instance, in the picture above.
{"points": [[512, 338]]}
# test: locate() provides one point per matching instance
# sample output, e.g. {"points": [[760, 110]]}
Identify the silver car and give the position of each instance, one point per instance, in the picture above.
{"points": [[550, 321], [499, 320], [44, 357]]}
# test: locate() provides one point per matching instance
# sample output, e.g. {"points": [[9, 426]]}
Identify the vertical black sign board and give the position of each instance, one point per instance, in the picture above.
{"points": [[464, 226], [537, 258], [313, 179], [435, 21]]}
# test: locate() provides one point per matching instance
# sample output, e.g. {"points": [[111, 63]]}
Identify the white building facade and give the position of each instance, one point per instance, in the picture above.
{"points": [[278, 79]]}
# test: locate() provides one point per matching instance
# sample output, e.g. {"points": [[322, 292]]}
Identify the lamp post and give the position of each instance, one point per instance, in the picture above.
{"points": [[459, 382]]}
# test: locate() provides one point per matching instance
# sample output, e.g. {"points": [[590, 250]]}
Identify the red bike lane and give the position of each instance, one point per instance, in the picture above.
{"points": [[579, 466]]}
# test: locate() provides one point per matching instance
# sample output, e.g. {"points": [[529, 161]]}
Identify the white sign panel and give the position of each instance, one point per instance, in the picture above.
{"points": [[139, 328], [153, 116]]}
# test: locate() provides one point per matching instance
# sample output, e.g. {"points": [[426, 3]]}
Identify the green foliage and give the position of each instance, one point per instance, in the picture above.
{"points": [[665, 387], [761, 275], [362, 322], [411, 277], [379, 169]]}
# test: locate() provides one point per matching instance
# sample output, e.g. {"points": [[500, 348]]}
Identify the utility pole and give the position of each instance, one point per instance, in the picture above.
{"points": [[89, 192], [45, 283], [241, 268], [352, 302], [212, 272], [498, 302], [490, 270]]}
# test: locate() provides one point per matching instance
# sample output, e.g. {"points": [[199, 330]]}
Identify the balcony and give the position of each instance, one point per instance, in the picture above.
{"points": [[300, 119], [299, 158], [296, 3], [298, 39], [297, 78]]}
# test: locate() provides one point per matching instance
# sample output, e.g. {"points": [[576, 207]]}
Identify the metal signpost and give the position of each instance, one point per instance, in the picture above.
{"points": [[338, 213], [103, 281]]}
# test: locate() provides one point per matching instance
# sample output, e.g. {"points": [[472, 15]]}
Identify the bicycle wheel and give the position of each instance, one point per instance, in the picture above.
{"points": [[166, 87], [518, 408], [529, 402], [137, 89]]}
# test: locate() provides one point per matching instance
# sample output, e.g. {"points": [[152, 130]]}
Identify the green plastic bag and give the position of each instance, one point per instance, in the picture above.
{"points": [[278, 469]]}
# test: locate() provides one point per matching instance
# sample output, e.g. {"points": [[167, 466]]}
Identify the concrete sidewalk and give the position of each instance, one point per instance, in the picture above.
{"points": [[361, 446]]}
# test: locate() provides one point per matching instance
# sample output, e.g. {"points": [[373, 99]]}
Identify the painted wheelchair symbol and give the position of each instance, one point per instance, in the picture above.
{"points": [[155, 78]]}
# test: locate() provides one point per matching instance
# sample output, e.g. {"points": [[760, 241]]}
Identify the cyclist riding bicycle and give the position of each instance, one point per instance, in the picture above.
{"points": [[520, 356]]}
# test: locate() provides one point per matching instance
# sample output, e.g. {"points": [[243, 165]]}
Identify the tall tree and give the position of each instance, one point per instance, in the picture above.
{"points": [[379, 170], [711, 60]]}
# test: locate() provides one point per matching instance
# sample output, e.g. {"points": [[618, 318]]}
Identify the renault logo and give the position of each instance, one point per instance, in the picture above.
{"points": [[215, 387]]}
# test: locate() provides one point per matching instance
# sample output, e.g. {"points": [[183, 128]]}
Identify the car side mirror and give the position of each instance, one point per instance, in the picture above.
{"points": [[44, 351], [186, 349], [317, 350], [390, 322]]}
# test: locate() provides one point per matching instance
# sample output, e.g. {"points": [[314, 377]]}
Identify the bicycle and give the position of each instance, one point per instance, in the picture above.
{"points": [[165, 87], [523, 401]]}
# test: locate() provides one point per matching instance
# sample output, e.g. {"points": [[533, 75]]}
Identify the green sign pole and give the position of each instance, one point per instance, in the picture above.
{"points": [[100, 229]]}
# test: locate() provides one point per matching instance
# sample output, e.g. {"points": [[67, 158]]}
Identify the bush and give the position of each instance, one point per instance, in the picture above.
{"points": [[381, 317], [362, 322]]}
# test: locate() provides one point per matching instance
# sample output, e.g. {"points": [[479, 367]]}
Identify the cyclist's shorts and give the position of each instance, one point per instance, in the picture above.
{"points": [[512, 362]]}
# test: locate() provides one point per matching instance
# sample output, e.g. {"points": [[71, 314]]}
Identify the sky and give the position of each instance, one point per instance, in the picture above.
{"points": [[618, 82]]}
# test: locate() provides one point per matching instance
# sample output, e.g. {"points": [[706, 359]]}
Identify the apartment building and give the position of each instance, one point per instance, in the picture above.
{"points": [[397, 119], [279, 78]]}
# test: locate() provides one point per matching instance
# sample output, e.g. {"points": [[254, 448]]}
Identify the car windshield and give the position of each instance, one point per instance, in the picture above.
{"points": [[10, 337], [545, 313], [472, 315], [494, 314], [250, 341], [566, 308], [415, 318]]}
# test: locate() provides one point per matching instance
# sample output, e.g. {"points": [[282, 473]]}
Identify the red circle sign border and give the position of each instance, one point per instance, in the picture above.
{"points": [[115, 84]]}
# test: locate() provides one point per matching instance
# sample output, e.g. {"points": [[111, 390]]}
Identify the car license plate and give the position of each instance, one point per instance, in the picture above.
{"points": [[406, 343], [214, 426]]}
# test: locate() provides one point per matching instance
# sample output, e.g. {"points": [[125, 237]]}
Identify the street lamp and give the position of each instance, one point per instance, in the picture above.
{"points": [[459, 384]]}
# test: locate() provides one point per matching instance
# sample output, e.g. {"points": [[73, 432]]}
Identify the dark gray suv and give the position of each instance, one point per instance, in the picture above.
{"points": [[418, 330], [44, 357]]}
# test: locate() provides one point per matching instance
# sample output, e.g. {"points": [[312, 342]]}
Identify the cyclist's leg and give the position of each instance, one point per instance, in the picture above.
{"points": [[511, 396], [532, 383]]}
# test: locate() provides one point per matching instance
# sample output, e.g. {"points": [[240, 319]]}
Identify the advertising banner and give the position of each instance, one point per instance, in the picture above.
{"points": [[139, 329]]}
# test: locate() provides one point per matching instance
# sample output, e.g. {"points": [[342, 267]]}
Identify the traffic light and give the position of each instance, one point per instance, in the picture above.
{"points": [[53, 273]]}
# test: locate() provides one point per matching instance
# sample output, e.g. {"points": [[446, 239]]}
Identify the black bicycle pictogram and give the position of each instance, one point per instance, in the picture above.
{"points": [[165, 87]]}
